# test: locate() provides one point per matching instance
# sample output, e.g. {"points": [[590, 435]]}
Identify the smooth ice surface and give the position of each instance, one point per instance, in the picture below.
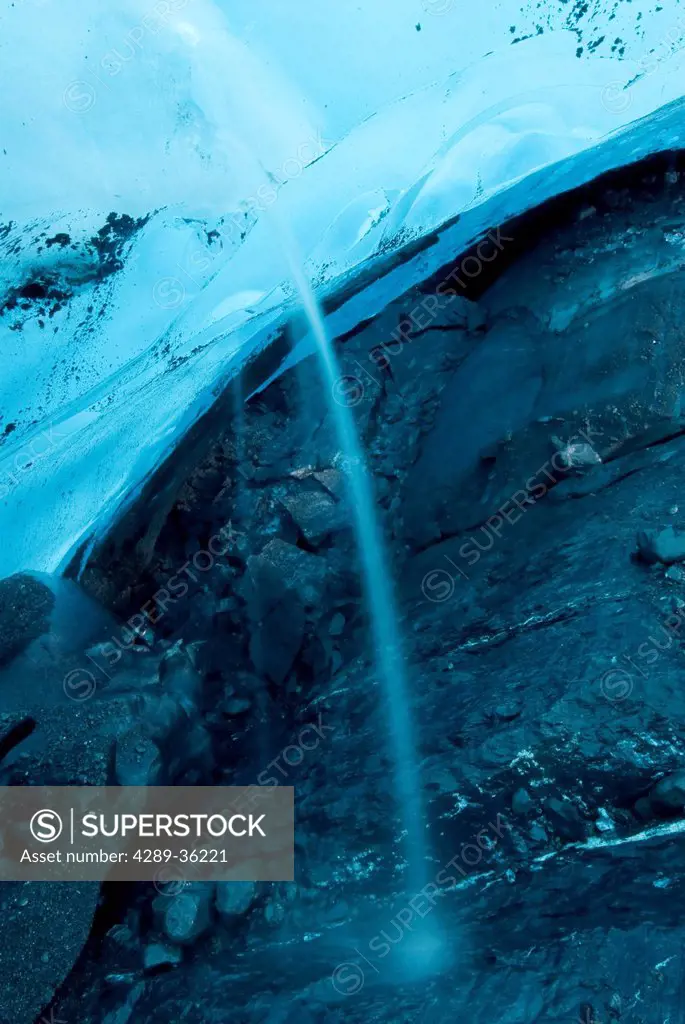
{"points": [[375, 127]]}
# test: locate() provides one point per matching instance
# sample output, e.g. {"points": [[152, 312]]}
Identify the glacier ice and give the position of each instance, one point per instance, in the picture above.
{"points": [[146, 147]]}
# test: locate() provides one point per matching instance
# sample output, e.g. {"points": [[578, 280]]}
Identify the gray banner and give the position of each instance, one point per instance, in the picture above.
{"points": [[164, 834]]}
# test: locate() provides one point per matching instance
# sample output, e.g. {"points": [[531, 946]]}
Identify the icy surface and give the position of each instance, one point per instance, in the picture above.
{"points": [[147, 148]]}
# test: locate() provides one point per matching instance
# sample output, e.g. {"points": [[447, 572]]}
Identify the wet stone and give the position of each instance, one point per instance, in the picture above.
{"points": [[668, 795], [521, 802], [667, 547], [25, 606], [137, 759], [186, 916], [159, 955], [234, 898]]}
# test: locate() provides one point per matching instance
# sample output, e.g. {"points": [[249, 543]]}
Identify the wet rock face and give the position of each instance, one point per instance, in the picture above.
{"points": [[43, 928], [185, 916], [25, 606], [668, 796], [527, 453], [67, 718]]}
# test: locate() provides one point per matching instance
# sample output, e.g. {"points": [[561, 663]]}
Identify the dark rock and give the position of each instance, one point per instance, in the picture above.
{"points": [[187, 915], [537, 833], [550, 613], [316, 512], [494, 391], [675, 574], [179, 676], [159, 955], [43, 928], [666, 546], [233, 899], [125, 1013], [643, 808], [302, 572], [337, 624], [668, 795], [138, 760], [25, 606], [237, 706], [283, 582], [521, 802], [564, 818]]}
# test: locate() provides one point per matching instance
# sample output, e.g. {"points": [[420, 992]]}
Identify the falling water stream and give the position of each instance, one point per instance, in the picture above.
{"points": [[384, 620], [388, 651]]}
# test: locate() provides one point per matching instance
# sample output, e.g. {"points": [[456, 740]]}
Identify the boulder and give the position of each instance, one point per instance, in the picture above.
{"points": [[25, 606], [668, 795], [184, 917], [157, 954], [299, 571], [666, 546], [564, 818], [234, 898], [508, 710], [675, 574], [316, 512], [43, 928], [521, 802]]}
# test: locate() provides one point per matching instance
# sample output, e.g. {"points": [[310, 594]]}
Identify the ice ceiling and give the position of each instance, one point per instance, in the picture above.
{"points": [[149, 148]]}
